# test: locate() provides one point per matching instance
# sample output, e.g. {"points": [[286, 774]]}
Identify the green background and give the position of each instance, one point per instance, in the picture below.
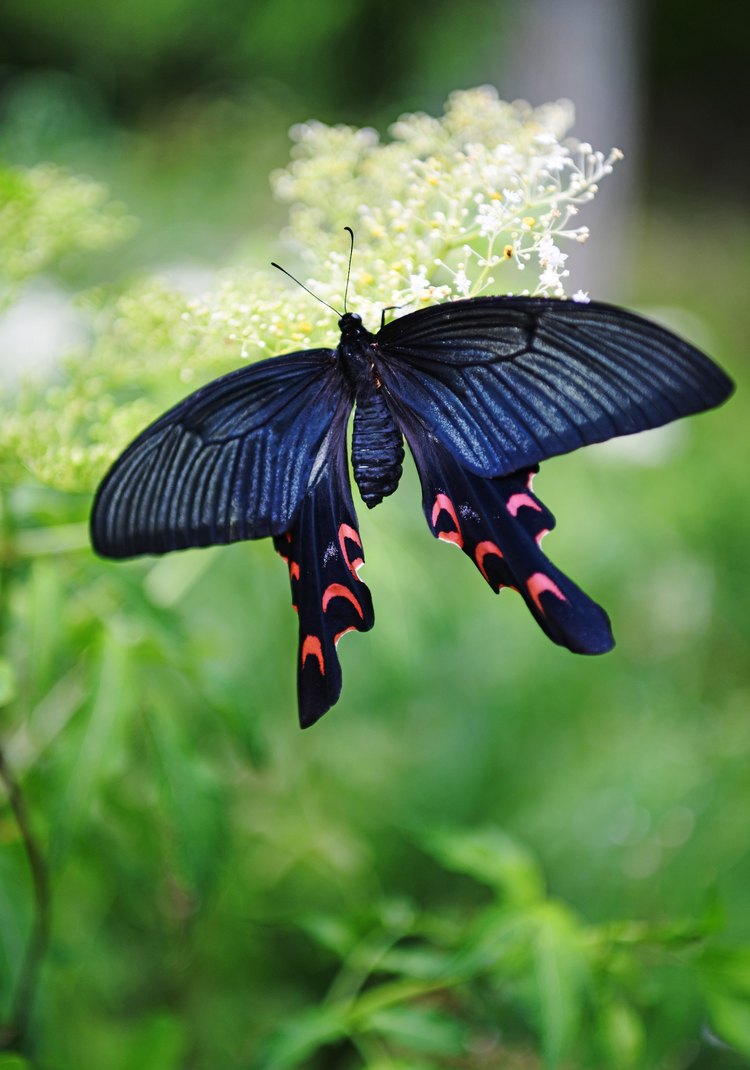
{"points": [[195, 837]]}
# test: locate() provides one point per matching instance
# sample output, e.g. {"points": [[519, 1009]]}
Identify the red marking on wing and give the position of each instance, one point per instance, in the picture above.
{"points": [[540, 536], [312, 648], [337, 590], [292, 566], [539, 583], [337, 637], [530, 481], [452, 537], [517, 500], [481, 552], [347, 532], [443, 502]]}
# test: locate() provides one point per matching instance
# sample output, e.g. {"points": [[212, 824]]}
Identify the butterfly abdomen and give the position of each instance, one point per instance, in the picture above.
{"points": [[377, 450]]}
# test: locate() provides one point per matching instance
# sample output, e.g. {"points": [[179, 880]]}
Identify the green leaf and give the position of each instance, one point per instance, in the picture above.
{"points": [[330, 932], [46, 623], [730, 1020], [193, 796], [7, 682], [161, 1045], [172, 577], [399, 1064], [559, 976], [423, 1030], [422, 962], [15, 914], [10, 1061], [492, 857], [501, 943], [621, 1033], [47, 720], [301, 1037], [101, 740], [726, 969]]}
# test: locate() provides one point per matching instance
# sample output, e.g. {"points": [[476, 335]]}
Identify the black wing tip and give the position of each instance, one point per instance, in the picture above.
{"points": [[99, 544], [310, 714], [727, 387], [598, 647]]}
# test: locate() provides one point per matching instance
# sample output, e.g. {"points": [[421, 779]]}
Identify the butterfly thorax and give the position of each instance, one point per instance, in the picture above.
{"points": [[377, 444], [354, 353]]}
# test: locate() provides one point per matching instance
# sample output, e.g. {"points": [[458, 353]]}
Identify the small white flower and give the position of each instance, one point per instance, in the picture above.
{"points": [[492, 218], [549, 254], [420, 286], [549, 279], [581, 297], [553, 163], [462, 283]]}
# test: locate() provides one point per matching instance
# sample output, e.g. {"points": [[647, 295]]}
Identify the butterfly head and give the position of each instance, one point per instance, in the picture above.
{"points": [[350, 325]]}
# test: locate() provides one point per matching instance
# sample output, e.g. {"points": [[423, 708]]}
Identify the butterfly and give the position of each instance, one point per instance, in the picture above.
{"points": [[481, 389]]}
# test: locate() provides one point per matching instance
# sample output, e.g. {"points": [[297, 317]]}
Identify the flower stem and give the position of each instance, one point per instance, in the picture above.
{"points": [[14, 1034]]}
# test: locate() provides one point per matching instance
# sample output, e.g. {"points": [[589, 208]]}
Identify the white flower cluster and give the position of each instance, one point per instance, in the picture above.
{"points": [[47, 213], [449, 208], [446, 208]]}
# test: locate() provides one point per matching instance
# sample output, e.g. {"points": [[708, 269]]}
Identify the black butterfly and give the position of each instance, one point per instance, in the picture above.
{"points": [[482, 390]]}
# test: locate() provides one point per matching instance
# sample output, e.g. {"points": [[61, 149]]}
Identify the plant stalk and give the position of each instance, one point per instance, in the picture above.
{"points": [[14, 1034]]}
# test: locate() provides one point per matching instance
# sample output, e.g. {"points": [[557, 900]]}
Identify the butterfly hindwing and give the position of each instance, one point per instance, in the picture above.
{"points": [[506, 382], [499, 523], [230, 462], [324, 554]]}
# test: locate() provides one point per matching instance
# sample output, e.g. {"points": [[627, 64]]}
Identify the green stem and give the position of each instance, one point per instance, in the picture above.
{"points": [[15, 1033]]}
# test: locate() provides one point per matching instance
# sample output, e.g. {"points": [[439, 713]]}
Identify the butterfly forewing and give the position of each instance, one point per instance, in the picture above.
{"points": [[505, 383], [230, 462]]}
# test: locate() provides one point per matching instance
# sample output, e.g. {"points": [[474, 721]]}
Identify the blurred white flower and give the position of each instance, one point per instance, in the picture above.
{"points": [[450, 207], [549, 255]]}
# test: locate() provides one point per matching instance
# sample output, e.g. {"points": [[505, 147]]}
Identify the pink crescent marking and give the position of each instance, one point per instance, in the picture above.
{"points": [[538, 583], [294, 571], [452, 537], [347, 532], [443, 502], [337, 590], [540, 536], [337, 637], [312, 648], [517, 500], [481, 552]]}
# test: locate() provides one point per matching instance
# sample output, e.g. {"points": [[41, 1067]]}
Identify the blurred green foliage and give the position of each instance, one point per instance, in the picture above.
{"points": [[491, 853], [345, 58], [228, 891]]}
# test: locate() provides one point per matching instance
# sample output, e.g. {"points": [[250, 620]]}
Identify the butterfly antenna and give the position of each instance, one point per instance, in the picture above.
{"points": [[349, 270], [280, 268]]}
